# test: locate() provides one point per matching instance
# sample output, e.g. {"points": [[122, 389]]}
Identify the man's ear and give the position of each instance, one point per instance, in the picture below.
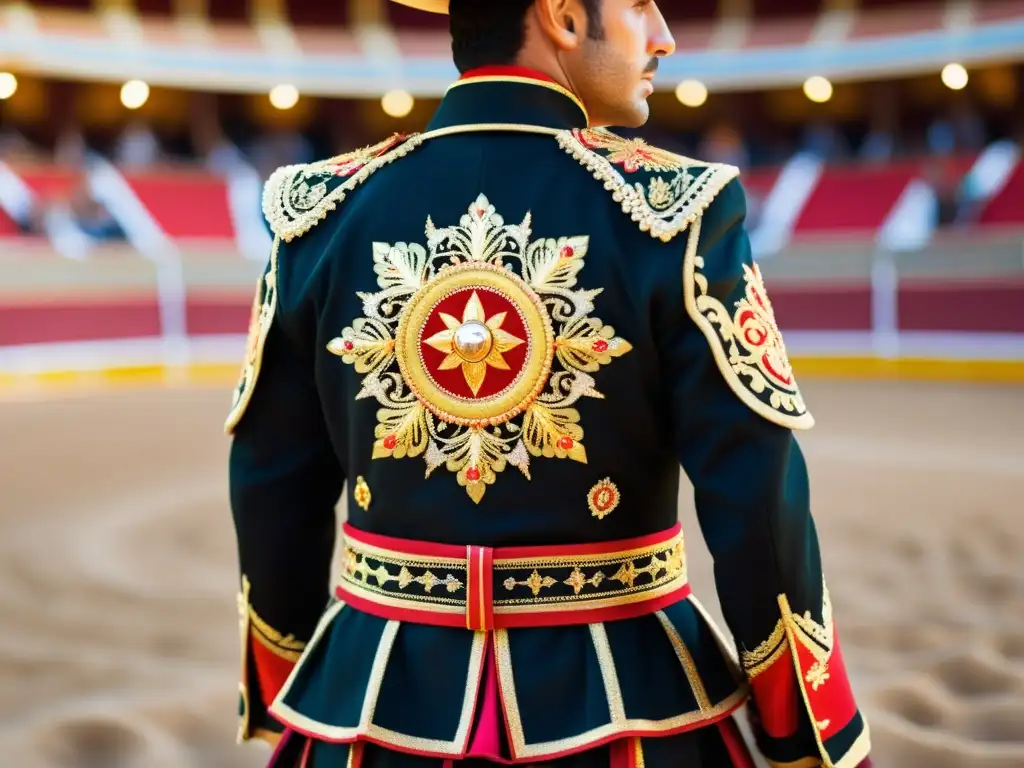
{"points": [[560, 21]]}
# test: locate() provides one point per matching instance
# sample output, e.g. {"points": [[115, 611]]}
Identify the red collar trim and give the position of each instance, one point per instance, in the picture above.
{"points": [[507, 71]]}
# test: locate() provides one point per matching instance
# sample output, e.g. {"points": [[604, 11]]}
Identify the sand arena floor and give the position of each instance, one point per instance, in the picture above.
{"points": [[117, 574]]}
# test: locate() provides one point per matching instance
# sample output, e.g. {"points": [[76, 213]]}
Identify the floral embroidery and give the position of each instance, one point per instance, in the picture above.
{"points": [[298, 197], [632, 154], [817, 674], [362, 494], [476, 346], [603, 498], [664, 205], [746, 342]]}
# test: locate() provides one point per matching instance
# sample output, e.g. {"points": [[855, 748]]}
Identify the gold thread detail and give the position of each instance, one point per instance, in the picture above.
{"points": [[264, 307], [784, 408], [603, 498], [766, 653], [415, 412], [664, 219], [361, 493], [686, 660]]}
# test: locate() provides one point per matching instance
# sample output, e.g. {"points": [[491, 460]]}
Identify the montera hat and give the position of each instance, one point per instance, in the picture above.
{"points": [[434, 6]]}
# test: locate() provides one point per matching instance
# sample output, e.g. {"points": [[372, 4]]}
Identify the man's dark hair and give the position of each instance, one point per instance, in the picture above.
{"points": [[492, 32]]}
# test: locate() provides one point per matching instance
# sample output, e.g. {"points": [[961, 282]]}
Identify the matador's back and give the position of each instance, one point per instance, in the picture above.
{"points": [[504, 336]]}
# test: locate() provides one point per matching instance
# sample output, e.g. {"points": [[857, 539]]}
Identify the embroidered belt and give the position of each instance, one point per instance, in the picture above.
{"points": [[482, 588]]}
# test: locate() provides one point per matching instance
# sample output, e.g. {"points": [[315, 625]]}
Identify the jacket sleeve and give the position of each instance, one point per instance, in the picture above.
{"points": [[735, 406], [285, 481]]}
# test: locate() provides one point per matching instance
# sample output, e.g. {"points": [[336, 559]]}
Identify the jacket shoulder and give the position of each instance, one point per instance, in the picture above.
{"points": [[298, 197], [664, 193]]}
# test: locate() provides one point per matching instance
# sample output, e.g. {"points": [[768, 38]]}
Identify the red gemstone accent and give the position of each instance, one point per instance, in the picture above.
{"points": [[390, 442], [566, 443], [349, 346], [600, 345], [472, 474], [567, 252]]}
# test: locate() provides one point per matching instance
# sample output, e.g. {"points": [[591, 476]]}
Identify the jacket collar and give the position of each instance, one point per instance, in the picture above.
{"points": [[509, 95]]}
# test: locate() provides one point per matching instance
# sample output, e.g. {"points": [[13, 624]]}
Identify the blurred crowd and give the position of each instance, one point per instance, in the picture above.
{"points": [[961, 130]]}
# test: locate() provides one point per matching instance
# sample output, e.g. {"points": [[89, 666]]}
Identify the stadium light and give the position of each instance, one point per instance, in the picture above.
{"points": [[8, 85], [955, 77], [692, 93], [397, 103], [818, 89], [284, 96], [134, 94]]}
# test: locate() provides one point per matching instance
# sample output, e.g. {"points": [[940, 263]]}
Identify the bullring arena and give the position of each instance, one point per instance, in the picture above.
{"points": [[882, 149], [117, 583]]}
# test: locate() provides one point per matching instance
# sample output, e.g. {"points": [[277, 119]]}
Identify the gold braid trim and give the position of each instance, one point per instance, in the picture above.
{"points": [[767, 653], [661, 213], [285, 646]]}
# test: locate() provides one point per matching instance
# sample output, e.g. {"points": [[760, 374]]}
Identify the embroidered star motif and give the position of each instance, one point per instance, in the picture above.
{"points": [[474, 343]]}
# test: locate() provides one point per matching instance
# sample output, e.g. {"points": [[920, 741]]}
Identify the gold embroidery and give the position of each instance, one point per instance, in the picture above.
{"points": [[469, 266], [678, 201], [603, 498], [578, 581], [522, 750], [632, 154], [298, 197], [767, 653], [817, 675], [818, 639], [356, 567], [535, 582], [261, 318], [285, 646], [362, 494], [700, 693], [748, 345], [658, 569]]}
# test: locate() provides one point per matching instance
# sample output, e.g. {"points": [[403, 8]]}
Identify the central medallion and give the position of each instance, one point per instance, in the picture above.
{"points": [[475, 345], [484, 325]]}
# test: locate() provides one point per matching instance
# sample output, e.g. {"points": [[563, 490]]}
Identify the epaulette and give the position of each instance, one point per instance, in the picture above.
{"points": [[298, 197], [662, 191]]}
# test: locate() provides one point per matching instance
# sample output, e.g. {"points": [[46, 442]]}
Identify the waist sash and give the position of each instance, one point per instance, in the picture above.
{"points": [[481, 588]]}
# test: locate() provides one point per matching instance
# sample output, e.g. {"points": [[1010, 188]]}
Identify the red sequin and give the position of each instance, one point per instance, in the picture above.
{"points": [[472, 474], [566, 443], [600, 345], [390, 442], [349, 346], [568, 252]]}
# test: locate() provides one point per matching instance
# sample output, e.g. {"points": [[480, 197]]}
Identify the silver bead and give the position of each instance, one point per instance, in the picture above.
{"points": [[473, 341]]}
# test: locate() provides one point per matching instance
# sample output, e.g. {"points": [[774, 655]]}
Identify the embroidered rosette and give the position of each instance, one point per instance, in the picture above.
{"points": [[477, 347]]}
